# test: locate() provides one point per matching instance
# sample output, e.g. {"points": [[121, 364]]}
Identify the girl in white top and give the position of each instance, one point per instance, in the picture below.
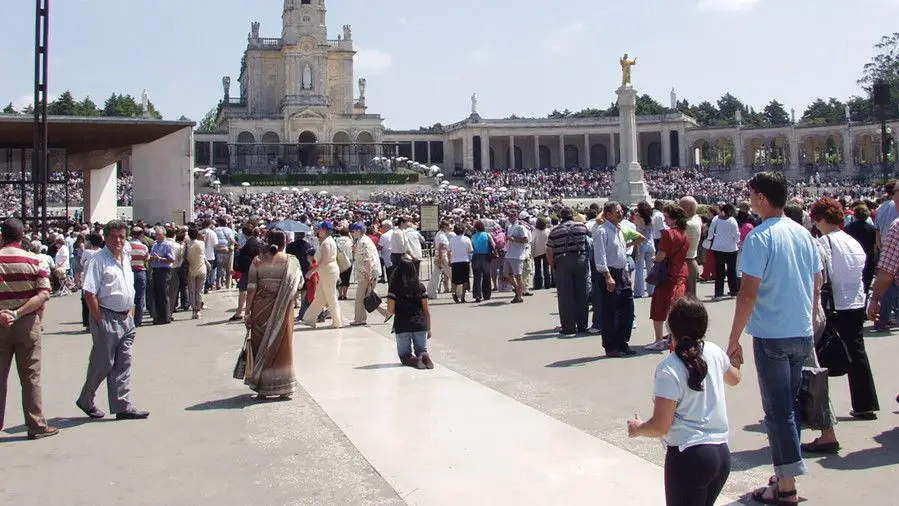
{"points": [[844, 261], [725, 234], [460, 253], [690, 414]]}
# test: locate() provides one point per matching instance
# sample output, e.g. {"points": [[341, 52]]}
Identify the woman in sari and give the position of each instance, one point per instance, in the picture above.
{"points": [[274, 280]]}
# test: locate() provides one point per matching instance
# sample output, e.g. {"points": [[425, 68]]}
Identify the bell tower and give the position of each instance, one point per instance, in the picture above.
{"points": [[304, 18]]}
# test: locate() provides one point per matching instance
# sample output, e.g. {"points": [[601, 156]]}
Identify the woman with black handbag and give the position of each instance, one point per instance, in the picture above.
{"points": [[671, 270], [845, 260]]}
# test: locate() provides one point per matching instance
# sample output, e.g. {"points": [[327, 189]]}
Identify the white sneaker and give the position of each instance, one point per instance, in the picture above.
{"points": [[594, 330]]}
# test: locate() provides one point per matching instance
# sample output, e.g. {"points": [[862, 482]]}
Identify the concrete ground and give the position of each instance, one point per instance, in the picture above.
{"points": [[208, 442]]}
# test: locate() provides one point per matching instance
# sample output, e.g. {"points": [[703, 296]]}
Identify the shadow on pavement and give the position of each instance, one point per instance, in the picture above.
{"points": [[886, 455], [375, 367], [535, 335], [745, 460], [237, 402], [60, 423], [576, 362]]}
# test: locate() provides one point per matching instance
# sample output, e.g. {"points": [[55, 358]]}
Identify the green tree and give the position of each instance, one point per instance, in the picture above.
{"points": [[776, 115], [819, 113], [28, 110], [707, 114], [122, 106], [87, 107], [589, 112], [209, 122], [728, 105], [647, 106], [861, 109], [884, 65], [65, 105], [9, 109]]}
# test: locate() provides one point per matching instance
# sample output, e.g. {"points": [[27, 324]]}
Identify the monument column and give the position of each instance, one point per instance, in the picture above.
{"points": [[512, 152], [739, 155], [467, 154], [537, 152], [587, 153], [429, 153], [848, 159], [682, 147], [630, 186], [794, 152], [666, 147], [413, 152], [485, 151], [613, 150], [562, 152]]}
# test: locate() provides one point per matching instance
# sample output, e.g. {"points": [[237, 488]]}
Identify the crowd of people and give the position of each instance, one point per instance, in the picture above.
{"points": [[63, 189], [800, 259]]}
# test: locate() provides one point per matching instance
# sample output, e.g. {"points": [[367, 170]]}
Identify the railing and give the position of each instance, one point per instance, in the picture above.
{"points": [[267, 43]]}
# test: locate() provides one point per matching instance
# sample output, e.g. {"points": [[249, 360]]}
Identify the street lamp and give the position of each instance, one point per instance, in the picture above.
{"points": [[881, 95]]}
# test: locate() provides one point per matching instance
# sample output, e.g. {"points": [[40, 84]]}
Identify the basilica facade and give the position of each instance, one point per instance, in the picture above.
{"points": [[297, 104]]}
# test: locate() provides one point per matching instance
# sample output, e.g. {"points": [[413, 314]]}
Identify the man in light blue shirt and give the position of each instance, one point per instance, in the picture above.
{"points": [[885, 216], [162, 256], [780, 289], [610, 256]]}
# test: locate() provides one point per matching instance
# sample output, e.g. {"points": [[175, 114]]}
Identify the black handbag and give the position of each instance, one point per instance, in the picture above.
{"points": [[658, 274], [832, 352], [814, 399], [372, 301]]}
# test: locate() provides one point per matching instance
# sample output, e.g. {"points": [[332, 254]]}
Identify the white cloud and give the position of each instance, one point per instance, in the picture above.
{"points": [[480, 56], [372, 61], [402, 20], [728, 5]]}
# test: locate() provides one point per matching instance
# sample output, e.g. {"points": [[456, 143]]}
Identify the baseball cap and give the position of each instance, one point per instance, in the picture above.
{"points": [[524, 215], [326, 225]]}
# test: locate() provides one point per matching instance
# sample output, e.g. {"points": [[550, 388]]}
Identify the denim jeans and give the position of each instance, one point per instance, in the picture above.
{"points": [[888, 304], [778, 363], [643, 265], [211, 274], [406, 340], [140, 292]]}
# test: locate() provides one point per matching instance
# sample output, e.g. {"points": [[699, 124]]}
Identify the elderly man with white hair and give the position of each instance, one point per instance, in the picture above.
{"points": [[694, 233], [62, 265], [386, 246]]}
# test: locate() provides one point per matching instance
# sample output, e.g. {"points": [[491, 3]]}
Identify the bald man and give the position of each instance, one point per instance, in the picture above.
{"points": [[694, 232]]}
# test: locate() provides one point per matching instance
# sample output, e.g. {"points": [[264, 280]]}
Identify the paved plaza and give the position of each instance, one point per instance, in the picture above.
{"points": [[511, 415]]}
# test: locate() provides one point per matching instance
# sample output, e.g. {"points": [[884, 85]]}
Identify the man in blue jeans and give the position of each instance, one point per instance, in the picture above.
{"points": [[885, 216], [781, 283]]}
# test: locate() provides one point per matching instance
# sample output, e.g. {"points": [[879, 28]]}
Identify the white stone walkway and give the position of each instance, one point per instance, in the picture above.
{"points": [[439, 438]]}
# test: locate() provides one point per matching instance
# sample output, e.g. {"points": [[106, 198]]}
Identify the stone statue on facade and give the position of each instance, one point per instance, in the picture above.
{"points": [[739, 117], [793, 116], [226, 85], [254, 30], [347, 32], [848, 113], [626, 64], [307, 77], [673, 99], [474, 103], [362, 90]]}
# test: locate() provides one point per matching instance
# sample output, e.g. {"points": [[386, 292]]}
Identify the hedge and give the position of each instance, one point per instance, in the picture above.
{"points": [[319, 179]]}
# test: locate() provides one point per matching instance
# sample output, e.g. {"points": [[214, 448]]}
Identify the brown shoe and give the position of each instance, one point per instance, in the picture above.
{"points": [[409, 361], [42, 433], [426, 361]]}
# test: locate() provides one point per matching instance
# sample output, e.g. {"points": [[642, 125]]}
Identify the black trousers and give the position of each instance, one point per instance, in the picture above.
{"points": [[162, 306], [571, 287], [726, 262], [695, 476], [849, 325], [542, 276], [617, 311]]}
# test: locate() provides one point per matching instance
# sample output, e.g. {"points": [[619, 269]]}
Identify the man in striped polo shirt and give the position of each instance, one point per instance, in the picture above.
{"points": [[24, 289], [139, 254], [566, 253]]}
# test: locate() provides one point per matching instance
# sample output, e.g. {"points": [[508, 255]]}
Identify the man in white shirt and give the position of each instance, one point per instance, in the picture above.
{"points": [[517, 240], [658, 222], [694, 233], [62, 265], [386, 246], [441, 260], [211, 240]]}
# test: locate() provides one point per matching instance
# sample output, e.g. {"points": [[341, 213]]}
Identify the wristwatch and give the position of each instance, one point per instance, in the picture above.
{"points": [[15, 314]]}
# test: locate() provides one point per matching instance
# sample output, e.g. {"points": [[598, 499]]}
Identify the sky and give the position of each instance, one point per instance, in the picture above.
{"points": [[423, 59]]}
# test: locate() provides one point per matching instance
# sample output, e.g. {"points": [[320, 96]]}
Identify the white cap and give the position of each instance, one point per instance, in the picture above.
{"points": [[524, 215]]}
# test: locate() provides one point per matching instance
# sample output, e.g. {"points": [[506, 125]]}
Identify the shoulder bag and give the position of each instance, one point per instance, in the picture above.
{"points": [[831, 350], [659, 274], [244, 359]]}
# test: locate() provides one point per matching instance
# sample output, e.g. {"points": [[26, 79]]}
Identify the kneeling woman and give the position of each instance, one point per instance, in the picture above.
{"points": [[690, 412], [408, 300]]}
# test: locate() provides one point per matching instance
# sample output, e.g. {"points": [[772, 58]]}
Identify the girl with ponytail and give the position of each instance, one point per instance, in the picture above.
{"points": [[690, 414]]}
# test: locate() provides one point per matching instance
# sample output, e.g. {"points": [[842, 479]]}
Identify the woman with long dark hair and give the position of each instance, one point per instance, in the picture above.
{"points": [[673, 249], [274, 280], [646, 250], [690, 412], [407, 299]]}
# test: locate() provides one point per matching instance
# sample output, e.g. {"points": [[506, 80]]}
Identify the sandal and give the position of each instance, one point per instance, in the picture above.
{"points": [[818, 447], [778, 499]]}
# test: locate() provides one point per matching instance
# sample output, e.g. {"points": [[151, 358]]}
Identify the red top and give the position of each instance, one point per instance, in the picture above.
{"points": [[311, 283]]}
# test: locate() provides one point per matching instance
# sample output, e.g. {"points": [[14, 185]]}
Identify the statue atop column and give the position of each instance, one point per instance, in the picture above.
{"points": [[626, 64], [474, 103], [226, 85], [254, 30], [793, 116], [145, 103], [347, 32], [848, 114], [673, 99], [739, 117]]}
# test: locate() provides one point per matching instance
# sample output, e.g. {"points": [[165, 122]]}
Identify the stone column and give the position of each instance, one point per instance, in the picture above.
{"points": [[537, 152], [848, 158], [449, 157], [562, 152], [413, 151], [511, 151], [794, 152], [485, 151], [429, 153], [467, 153], [630, 185], [666, 147], [739, 154], [587, 153], [682, 147]]}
